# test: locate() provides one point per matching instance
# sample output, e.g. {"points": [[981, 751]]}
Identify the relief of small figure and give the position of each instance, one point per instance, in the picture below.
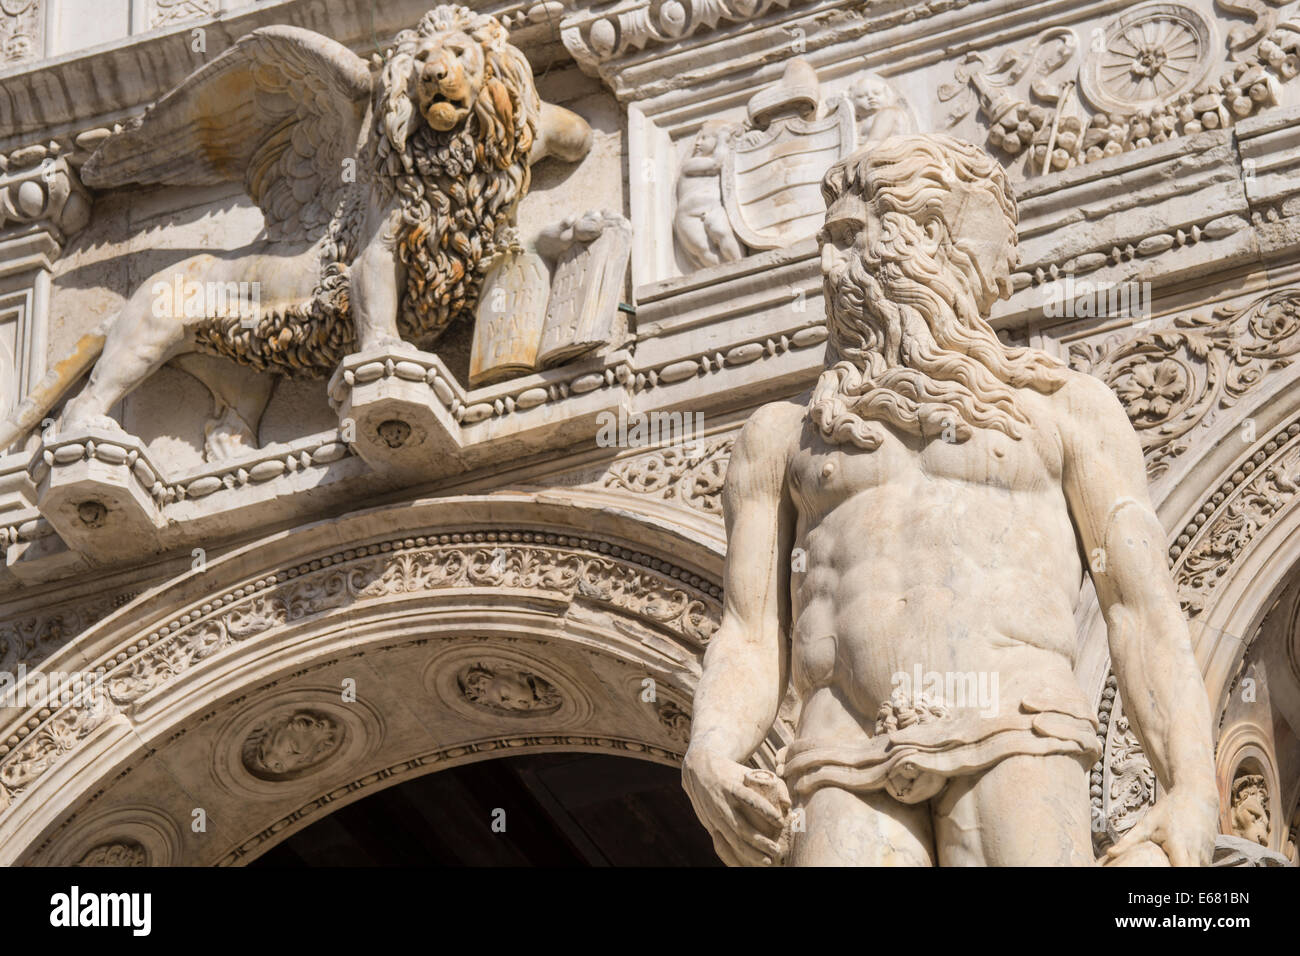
{"points": [[700, 224], [880, 110]]}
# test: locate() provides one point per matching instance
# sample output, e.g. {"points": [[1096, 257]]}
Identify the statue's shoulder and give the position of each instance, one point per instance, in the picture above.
{"points": [[1087, 413], [773, 429]]}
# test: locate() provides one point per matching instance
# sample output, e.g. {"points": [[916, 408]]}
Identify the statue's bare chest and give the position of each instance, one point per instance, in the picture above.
{"points": [[821, 475]]}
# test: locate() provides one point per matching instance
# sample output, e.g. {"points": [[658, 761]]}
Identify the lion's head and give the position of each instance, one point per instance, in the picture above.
{"points": [[456, 64], [456, 116]]}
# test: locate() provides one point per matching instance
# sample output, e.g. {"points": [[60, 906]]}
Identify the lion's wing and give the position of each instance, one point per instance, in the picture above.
{"points": [[280, 110]]}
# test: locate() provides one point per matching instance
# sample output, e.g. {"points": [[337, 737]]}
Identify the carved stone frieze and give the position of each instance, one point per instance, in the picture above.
{"points": [[632, 25], [1204, 551], [28, 639], [1145, 76], [1177, 379], [1123, 783], [164, 13], [39, 744], [568, 567], [1132, 781], [691, 474]]}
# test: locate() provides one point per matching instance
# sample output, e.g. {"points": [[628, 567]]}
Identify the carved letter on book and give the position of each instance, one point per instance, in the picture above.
{"points": [[591, 256], [511, 313]]}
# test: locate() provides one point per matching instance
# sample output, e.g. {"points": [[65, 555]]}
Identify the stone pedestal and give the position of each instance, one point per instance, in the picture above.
{"points": [[95, 487], [397, 408]]}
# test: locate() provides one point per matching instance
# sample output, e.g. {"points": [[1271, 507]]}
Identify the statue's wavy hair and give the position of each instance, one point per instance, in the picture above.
{"points": [[457, 189], [909, 344]]}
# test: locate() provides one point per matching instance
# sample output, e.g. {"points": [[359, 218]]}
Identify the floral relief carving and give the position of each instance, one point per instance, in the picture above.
{"points": [[167, 12], [691, 474], [1132, 781], [1122, 784], [1204, 552], [27, 757], [1177, 379], [29, 640]]}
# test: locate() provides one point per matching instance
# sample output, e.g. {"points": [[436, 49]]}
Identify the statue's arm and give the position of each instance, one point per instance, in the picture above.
{"points": [[1151, 654], [745, 666]]}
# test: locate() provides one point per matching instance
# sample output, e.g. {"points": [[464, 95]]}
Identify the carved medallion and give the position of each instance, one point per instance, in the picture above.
{"points": [[1148, 56], [486, 681], [503, 688], [122, 853], [289, 740], [674, 720], [291, 745]]}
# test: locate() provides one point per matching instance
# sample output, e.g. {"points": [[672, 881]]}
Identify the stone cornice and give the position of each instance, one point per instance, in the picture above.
{"points": [[64, 96]]}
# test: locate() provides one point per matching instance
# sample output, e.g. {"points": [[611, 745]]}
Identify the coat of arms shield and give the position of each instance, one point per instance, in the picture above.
{"points": [[771, 178]]}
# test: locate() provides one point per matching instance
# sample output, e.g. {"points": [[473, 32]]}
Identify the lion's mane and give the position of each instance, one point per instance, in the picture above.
{"points": [[457, 192]]}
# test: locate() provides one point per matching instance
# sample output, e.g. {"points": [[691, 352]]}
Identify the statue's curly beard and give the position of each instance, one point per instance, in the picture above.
{"points": [[909, 348]]}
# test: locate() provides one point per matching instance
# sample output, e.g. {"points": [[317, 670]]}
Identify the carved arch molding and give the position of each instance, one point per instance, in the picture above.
{"points": [[1218, 414], [487, 625]]}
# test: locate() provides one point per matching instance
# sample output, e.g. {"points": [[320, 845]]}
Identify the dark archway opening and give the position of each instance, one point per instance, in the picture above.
{"points": [[569, 809]]}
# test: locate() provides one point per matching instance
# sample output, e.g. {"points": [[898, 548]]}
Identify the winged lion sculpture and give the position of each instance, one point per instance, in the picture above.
{"points": [[386, 190]]}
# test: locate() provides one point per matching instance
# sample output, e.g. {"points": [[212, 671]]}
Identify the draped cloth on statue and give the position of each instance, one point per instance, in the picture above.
{"points": [[915, 763]]}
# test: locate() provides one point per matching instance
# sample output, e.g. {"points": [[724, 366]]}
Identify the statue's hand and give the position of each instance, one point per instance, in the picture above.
{"points": [[736, 805], [1183, 825]]}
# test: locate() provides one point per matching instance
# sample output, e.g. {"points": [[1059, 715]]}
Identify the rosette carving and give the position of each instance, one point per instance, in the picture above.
{"points": [[1176, 379]]}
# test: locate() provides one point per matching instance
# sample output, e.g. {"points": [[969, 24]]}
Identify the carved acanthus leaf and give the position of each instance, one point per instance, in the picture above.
{"points": [[692, 474], [1176, 379]]}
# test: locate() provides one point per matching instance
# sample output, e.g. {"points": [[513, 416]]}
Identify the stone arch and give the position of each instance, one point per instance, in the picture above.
{"points": [[505, 622]]}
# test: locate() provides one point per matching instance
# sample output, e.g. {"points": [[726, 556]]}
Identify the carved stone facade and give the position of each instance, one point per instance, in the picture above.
{"points": [[429, 504]]}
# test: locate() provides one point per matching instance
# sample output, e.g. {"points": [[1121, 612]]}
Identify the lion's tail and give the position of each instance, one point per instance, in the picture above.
{"points": [[33, 409]]}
